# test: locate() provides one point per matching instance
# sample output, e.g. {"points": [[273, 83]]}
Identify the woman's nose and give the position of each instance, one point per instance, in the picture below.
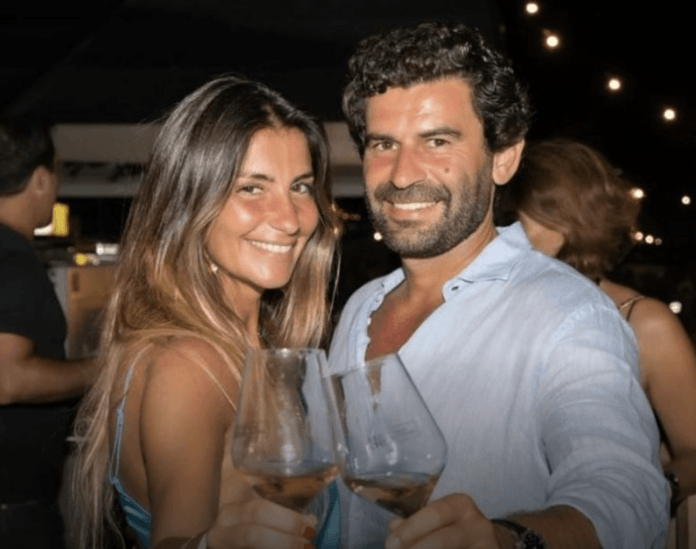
{"points": [[284, 215]]}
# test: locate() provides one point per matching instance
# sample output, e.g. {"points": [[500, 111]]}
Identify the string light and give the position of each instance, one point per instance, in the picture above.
{"points": [[638, 236], [686, 200], [649, 239], [377, 236], [669, 114], [552, 41], [532, 8], [637, 193], [614, 84], [675, 307]]}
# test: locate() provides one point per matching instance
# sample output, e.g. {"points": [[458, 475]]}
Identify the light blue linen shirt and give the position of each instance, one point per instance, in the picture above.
{"points": [[532, 376]]}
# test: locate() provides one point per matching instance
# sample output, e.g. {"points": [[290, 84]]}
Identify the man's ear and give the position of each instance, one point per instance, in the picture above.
{"points": [[506, 162], [41, 181]]}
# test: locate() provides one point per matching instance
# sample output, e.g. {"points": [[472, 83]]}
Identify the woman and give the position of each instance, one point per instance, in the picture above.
{"points": [[574, 205], [229, 243]]}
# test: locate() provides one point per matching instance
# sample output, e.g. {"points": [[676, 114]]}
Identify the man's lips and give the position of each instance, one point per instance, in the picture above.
{"points": [[413, 206]]}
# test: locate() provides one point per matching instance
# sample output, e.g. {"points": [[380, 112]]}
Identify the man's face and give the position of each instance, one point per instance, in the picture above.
{"points": [[50, 192], [428, 174]]}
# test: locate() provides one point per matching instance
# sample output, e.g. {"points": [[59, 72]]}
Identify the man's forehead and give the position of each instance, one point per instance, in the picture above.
{"points": [[446, 99]]}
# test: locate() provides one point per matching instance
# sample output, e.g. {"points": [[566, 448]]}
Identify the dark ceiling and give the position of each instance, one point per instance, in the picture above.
{"points": [[130, 60], [127, 61]]}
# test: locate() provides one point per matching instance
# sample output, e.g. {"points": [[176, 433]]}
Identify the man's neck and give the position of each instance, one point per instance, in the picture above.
{"points": [[427, 276], [16, 217]]}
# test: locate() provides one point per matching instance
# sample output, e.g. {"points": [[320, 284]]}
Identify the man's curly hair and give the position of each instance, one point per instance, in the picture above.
{"points": [[430, 51]]}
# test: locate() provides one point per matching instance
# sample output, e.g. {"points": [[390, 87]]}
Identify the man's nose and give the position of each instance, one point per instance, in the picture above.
{"points": [[407, 168]]}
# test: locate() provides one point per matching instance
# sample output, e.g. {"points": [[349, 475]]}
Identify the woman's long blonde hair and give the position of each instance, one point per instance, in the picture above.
{"points": [[163, 284]]}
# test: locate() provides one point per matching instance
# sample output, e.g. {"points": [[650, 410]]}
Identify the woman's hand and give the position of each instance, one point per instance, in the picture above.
{"points": [[261, 524]]}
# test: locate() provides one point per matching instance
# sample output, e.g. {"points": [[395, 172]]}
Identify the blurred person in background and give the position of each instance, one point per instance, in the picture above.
{"points": [[229, 244], [575, 206], [37, 384]]}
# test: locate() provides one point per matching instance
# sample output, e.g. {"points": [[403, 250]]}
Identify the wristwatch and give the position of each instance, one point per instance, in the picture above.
{"points": [[675, 496], [525, 538]]}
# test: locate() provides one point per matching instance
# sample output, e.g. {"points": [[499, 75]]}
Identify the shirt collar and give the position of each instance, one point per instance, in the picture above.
{"points": [[495, 262], [499, 258]]}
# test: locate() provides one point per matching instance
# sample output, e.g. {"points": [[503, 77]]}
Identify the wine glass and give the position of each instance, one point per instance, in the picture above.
{"points": [[283, 439], [394, 452]]}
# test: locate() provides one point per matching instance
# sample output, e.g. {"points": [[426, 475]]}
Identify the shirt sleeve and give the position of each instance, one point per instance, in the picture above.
{"points": [[20, 295], [600, 435]]}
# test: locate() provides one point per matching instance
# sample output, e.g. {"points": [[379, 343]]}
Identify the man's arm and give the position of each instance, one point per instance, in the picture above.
{"points": [[28, 378]]}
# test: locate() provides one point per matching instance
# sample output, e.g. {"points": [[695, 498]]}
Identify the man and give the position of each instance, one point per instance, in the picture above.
{"points": [[35, 378], [526, 367]]}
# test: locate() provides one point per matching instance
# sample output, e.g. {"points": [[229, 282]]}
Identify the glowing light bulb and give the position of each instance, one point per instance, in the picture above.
{"points": [[552, 41], [614, 84], [377, 236], [532, 8], [675, 307], [649, 239], [637, 193], [638, 236], [686, 200], [669, 114]]}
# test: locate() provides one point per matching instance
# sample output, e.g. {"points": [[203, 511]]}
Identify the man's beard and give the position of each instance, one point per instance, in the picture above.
{"points": [[408, 240]]}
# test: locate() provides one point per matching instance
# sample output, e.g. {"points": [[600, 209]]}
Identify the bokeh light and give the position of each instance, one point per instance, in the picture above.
{"points": [[532, 8], [614, 84]]}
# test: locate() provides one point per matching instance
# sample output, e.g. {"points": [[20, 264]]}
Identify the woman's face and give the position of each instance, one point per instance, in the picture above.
{"points": [[269, 216], [543, 239]]}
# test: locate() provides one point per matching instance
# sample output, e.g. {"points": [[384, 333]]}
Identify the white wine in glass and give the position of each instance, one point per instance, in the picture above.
{"points": [[394, 451], [283, 437]]}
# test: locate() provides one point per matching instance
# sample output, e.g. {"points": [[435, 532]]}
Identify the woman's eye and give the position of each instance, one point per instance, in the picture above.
{"points": [[249, 189], [304, 188]]}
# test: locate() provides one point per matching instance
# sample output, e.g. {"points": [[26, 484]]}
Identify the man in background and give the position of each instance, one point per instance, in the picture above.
{"points": [[37, 384], [527, 368]]}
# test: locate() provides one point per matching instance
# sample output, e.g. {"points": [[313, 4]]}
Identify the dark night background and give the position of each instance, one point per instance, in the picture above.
{"points": [[115, 61]]}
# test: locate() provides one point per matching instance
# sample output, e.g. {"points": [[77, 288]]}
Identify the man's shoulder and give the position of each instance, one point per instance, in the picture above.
{"points": [[20, 265]]}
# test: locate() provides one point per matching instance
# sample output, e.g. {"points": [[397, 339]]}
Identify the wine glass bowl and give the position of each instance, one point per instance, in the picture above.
{"points": [[394, 452], [283, 440]]}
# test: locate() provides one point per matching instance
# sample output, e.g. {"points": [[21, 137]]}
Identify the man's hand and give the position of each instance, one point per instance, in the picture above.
{"points": [[453, 522]]}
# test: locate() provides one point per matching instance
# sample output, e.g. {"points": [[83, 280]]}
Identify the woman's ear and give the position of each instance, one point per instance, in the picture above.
{"points": [[506, 162]]}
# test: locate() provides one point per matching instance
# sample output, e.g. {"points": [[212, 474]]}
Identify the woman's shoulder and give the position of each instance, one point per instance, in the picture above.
{"points": [[650, 318], [189, 363]]}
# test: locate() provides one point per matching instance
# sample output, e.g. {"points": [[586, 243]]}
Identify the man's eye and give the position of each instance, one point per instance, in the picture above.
{"points": [[383, 145], [438, 142]]}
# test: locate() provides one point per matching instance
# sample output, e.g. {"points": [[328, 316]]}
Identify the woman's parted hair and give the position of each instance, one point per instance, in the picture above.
{"points": [[431, 51], [164, 286], [571, 188]]}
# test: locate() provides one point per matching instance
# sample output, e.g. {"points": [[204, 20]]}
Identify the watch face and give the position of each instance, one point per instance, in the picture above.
{"points": [[532, 540]]}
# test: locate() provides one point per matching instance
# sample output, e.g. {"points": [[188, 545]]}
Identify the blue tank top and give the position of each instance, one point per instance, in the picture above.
{"points": [[139, 519]]}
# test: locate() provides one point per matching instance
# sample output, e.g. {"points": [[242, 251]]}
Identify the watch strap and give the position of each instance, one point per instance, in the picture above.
{"points": [[525, 537]]}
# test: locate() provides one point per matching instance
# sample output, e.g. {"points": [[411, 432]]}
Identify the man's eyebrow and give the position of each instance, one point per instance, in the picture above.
{"points": [[444, 130], [378, 137]]}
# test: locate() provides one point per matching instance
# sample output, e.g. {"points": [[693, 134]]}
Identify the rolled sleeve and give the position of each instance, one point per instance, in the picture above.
{"points": [[600, 435]]}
